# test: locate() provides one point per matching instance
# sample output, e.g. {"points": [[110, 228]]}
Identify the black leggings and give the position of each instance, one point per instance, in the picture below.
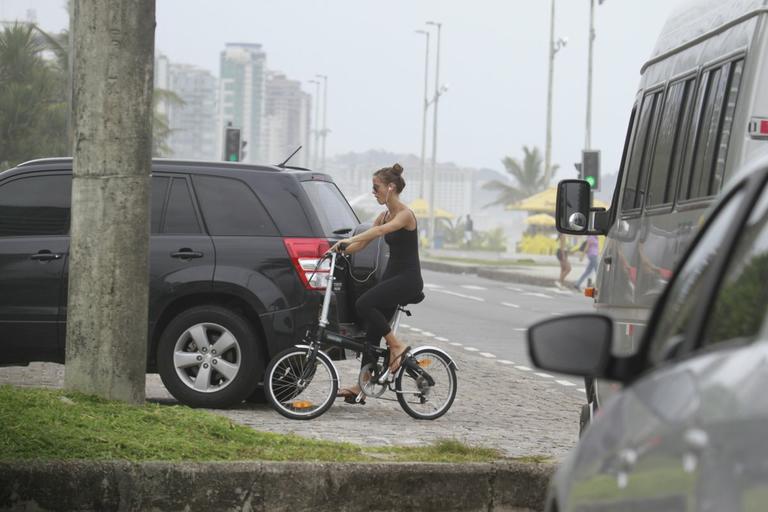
{"points": [[376, 306]]}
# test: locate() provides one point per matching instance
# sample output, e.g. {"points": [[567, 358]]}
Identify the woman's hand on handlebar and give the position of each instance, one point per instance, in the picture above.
{"points": [[340, 246]]}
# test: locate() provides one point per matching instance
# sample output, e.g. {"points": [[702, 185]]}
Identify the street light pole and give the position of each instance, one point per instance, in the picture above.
{"points": [[554, 47], [424, 116], [325, 118], [434, 140], [588, 129], [316, 131]]}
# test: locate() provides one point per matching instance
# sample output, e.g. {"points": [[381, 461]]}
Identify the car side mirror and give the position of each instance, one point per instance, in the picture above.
{"points": [[574, 344]]}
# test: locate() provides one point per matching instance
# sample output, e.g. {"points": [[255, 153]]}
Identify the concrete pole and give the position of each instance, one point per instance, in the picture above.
{"points": [[316, 145], [106, 350], [424, 117], [324, 132], [588, 129], [433, 177], [548, 143]]}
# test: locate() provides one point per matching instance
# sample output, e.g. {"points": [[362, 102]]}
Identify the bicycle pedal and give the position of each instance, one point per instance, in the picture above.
{"points": [[385, 377]]}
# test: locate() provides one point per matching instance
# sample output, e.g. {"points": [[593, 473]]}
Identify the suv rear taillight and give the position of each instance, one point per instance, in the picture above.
{"points": [[305, 254]]}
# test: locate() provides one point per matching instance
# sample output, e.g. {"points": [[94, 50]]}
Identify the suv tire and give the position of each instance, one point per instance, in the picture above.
{"points": [[193, 342]]}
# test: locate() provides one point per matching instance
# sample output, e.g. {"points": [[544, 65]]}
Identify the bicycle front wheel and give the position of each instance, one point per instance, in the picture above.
{"points": [[301, 383], [427, 393]]}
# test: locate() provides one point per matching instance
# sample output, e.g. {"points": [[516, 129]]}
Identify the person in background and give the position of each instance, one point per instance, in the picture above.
{"points": [[468, 229], [591, 248], [562, 257]]}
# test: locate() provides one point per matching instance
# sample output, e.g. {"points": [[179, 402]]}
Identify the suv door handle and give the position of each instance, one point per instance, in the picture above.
{"points": [[186, 254], [45, 255]]}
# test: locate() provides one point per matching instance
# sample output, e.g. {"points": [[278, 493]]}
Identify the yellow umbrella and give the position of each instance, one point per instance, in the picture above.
{"points": [[420, 208], [540, 219], [544, 202]]}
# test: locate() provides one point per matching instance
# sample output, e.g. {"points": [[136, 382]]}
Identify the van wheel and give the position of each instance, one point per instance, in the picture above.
{"points": [[208, 357]]}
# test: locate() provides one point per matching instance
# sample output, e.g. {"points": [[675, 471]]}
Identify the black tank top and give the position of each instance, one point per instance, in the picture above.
{"points": [[403, 251]]}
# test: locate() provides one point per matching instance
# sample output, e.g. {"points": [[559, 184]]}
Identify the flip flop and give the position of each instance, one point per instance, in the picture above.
{"points": [[399, 360], [349, 396]]}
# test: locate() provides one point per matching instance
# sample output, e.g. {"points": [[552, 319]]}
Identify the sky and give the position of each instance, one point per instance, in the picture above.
{"points": [[493, 59]]}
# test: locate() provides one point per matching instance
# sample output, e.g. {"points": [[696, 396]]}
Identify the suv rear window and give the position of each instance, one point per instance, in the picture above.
{"points": [[332, 208]]}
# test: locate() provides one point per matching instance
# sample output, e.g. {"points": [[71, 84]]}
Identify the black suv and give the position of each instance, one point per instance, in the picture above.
{"points": [[232, 253]]}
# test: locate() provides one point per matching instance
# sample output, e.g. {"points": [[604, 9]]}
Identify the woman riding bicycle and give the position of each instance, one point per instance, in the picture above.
{"points": [[402, 278]]}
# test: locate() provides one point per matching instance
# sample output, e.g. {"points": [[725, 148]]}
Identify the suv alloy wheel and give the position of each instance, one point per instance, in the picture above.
{"points": [[208, 357]]}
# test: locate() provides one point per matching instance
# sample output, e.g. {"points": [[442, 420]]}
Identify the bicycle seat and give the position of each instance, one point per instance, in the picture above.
{"points": [[414, 300]]}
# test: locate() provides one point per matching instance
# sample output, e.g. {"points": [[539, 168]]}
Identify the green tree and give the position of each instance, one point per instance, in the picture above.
{"points": [[33, 104], [528, 178]]}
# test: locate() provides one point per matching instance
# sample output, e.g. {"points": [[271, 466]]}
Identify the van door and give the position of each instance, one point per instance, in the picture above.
{"points": [[34, 245]]}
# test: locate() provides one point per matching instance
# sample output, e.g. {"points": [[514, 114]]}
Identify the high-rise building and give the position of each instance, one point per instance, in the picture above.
{"points": [[287, 120], [241, 96], [191, 114]]}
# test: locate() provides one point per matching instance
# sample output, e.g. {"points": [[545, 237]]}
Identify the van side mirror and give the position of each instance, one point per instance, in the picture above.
{"points": [[572, 208]]}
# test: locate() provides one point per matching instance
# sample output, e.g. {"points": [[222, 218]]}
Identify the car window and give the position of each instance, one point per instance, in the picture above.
{"points": [[742, 301], [35, 206], [230, 208], [332, 208], [180, 217], [159, 189], [687, 286]]}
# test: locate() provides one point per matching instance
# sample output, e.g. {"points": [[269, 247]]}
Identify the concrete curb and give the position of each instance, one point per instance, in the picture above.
{"points": [[495, 273], [272, 486]]}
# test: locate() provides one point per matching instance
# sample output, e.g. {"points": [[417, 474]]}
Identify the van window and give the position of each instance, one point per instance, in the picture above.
{"points": [[639, 162], [666, 160], [718, 91], [35, 206]]}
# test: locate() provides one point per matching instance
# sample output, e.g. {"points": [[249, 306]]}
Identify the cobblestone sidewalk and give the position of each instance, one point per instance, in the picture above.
{"points": [[497, 405]]}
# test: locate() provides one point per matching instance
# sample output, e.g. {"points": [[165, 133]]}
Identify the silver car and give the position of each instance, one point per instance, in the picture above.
{"points": [[688, 430]]}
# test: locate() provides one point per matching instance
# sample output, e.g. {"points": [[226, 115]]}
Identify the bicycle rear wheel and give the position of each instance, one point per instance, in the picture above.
{"points": [[300, 383], [420, 398]]}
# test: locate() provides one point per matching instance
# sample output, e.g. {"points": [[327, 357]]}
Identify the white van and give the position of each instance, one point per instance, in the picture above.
{"points": [[700, 114]]}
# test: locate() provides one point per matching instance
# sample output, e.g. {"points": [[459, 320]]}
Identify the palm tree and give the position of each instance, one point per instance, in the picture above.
{"points": [[528, 175], [32, 99]]}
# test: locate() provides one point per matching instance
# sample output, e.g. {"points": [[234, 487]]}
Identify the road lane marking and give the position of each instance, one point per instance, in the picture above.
{"points": [[504, 361], [473, 287], [524, 368], [432, 286], [428, 334], [487, 354], [405, 326], [440, 338], [537, 294], [565, 383], [520, 329], [510, 305], [456, 294], [582, 390], [514, 289], [415, 329], [544, 375], [456, 344], [472, 349]]}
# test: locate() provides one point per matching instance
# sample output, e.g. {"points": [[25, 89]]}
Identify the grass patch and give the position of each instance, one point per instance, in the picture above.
{"points": [[40, 424]]}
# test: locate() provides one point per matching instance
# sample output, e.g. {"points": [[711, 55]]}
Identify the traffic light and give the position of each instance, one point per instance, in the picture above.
{"points": [[590, 168], [232, 145]]}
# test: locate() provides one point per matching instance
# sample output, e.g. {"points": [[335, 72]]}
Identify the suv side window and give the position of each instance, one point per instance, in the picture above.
{"points": [[180, 216], [230, 208], [742, 301], [681, 299], [159, 191], [35, 206]]}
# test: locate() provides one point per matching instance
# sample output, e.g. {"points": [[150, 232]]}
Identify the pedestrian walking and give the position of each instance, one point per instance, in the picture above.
{"points": [[591, 248], [468, 229], [562, 257]]}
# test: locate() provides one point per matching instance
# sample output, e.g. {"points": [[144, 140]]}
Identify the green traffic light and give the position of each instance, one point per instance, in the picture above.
{"points": [[233, 157], [591, 181]]}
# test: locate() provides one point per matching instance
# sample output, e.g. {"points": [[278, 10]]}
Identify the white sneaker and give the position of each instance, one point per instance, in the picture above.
{"points": [[557, 283]]}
